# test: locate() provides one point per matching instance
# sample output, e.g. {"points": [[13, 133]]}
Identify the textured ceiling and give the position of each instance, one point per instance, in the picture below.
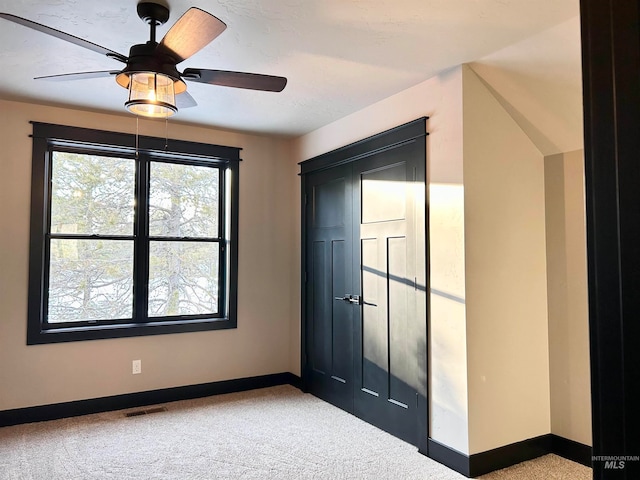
{"points": [[338, 55]]}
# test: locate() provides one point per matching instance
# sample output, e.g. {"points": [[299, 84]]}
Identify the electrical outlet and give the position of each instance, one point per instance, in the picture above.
{"points": [[136, 367]]}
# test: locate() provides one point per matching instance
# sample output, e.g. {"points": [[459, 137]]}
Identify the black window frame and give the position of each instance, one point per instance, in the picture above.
{"points": [[143, 150]]}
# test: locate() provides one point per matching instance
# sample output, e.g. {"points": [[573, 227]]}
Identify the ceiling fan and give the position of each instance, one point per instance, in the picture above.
{"points": [[150, 73]]}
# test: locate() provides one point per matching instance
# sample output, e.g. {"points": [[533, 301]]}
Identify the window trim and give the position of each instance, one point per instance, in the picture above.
{"points": [[47, 136]]}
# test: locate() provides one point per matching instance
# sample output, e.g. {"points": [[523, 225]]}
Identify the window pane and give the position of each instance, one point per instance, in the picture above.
{"points": [[91, 194], [90, 280], [183, 278], [183, 200]]}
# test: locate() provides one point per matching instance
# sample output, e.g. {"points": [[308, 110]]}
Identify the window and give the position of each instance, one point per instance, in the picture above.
{"points": [[130, 240]]}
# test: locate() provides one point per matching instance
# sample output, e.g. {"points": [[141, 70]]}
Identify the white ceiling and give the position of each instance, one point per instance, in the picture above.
{"points": [[339, 55], [539, 82]]}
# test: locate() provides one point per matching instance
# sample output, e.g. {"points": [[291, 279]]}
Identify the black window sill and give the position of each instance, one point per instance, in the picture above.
{"points": [[99, 332]]}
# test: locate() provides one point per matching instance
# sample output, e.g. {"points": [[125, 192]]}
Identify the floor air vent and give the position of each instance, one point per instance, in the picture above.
{"points": [[137, 413]]}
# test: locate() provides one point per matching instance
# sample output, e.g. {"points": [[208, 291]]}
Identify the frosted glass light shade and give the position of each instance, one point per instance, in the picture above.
{"points": [[151, 95]]}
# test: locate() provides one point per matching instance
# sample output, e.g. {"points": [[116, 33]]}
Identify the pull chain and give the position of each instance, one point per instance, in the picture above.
{"points": [[137, 134], [166, 133]]}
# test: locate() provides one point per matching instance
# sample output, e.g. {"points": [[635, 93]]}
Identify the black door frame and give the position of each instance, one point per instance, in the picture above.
{"points": [[414, 131], [611, 90]]}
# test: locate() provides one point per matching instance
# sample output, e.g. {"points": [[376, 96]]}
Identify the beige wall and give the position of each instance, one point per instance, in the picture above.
{"points": [[506, 283], [440, 98], [43, 374], [567, 293]]}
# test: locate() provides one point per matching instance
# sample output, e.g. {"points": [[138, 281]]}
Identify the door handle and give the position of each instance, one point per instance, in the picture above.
{"points": [[349, 298], [354, 299], [358, 300]]}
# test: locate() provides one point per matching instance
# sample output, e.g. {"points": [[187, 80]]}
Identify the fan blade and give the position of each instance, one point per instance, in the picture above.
{"points": [[64, 36], [193, 31], [250, 81], [79, 76], [184, 100]]}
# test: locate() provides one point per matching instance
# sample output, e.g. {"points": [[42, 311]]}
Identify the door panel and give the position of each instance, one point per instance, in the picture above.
{"points": [[329, 327], [399, 323], [384, 194], [320, 325], [373, 344], [327, 199], [386, 393], [341, 332]]}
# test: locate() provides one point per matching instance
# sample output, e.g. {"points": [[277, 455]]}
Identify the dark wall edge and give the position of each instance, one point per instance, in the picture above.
{"points": [[508, 455], [130, 400], [610, 74], [449, 457], [502, 457], [571, 450]]}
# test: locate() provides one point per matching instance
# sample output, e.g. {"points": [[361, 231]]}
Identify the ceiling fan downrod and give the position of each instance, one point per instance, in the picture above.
{"points": [[154, 14]]}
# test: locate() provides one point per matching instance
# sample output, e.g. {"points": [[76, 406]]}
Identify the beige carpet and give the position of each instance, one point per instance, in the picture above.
{"points": [[549, 467], [273, 433]]}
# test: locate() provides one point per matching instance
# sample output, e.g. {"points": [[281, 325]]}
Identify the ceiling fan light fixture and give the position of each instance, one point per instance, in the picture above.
{"points": [[151, 94]]}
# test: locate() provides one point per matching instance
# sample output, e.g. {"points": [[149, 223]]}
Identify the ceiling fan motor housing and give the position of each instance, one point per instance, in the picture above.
{"points": [[145, 58]]}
